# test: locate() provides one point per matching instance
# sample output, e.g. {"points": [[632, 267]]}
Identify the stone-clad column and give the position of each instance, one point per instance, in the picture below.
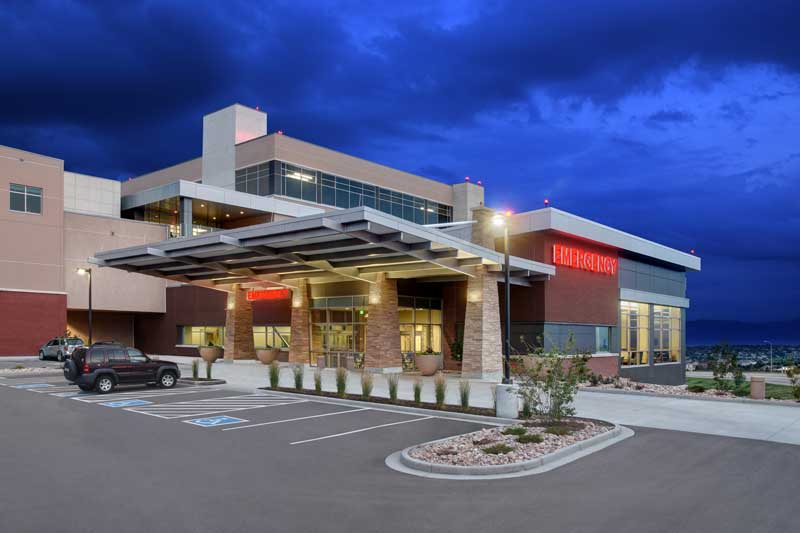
{"points": [[483, 346], [383, 327], [239, 326], [300, 343], [483, 343]]}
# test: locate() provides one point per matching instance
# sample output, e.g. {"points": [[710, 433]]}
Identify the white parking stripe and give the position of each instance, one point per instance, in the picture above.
{"points": [[298, 418], [208, 406], [362, 430], [206, 410], [146, 393]]}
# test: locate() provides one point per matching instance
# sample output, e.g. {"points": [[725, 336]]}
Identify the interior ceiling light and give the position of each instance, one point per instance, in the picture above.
{"points": [[202, 205], [227, 214], [241, 212]]}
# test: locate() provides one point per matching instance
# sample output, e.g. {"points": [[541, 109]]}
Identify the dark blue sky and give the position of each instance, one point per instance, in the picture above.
{"points": [[677, 121]]}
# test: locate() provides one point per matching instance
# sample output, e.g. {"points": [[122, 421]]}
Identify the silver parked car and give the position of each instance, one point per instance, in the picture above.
{"points": [[59, 348]]}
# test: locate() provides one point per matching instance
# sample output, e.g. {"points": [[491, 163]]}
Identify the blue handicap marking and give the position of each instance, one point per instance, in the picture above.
{"points": [[213, 421], [33, 386], [125, 403]]}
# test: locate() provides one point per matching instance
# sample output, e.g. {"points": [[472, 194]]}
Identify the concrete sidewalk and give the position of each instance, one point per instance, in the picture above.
{"points": [[776, 423]]}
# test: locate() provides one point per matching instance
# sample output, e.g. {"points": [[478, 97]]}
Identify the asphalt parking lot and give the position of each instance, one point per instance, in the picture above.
{"points": [[218, 459]]}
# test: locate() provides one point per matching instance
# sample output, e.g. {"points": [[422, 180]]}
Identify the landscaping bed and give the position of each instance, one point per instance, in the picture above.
{"points": [[201, 381], [694, 388], [378, 399], [32, 371], [519, 443]]}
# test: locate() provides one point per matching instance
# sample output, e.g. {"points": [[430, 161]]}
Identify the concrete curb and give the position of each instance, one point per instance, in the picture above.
{"points": [[193, 383], [784, 403], [534, 466], [480, 419]]}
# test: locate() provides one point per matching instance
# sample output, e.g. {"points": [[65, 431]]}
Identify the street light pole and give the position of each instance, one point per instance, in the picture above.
{"points": [[507, 346], [770, 355], [88, 272]]}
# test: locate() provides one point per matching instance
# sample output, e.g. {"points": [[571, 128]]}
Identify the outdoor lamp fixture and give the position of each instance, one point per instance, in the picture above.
{"points": [[88, 272], [504, 221]]}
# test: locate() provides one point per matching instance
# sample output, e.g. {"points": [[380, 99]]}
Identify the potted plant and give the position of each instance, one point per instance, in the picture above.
{"points": [[267, 355], [428, 362], [211, 352]]}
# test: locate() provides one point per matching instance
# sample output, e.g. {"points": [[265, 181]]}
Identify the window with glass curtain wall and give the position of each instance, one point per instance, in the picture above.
{"points": [[666, 334], [420, 324], [271, 336], [634, 333]]}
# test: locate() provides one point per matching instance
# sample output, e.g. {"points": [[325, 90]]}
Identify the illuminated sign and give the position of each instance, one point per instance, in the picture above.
{"points": [[572, 257], [270, 294]]}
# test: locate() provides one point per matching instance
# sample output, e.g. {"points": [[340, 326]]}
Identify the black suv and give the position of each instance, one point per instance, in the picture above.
{"points": [[104, 365]]}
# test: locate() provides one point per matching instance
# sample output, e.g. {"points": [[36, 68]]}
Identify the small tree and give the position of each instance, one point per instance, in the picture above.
{"points": [[725, 362], [549, 382], [793, 373]]}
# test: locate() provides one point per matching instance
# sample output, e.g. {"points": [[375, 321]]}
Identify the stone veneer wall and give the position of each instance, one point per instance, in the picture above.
{"points": [[239, 325], [383, 326], [300, 344]]}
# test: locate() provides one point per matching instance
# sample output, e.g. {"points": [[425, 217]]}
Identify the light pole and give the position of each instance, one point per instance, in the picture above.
{"points": [[88, 272], [504, 221], [770, 354]]}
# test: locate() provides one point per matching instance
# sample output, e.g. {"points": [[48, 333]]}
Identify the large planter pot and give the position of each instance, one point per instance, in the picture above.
{"points": [[428, 364], [210, 353], [268, 356]]}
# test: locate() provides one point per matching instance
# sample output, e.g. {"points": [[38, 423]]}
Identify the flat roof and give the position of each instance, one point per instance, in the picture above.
{"points": [[554, 219], [352, 244]]}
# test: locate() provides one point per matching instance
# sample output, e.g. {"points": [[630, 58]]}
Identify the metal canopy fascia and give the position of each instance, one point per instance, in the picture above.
{"points": [[341, 245]]}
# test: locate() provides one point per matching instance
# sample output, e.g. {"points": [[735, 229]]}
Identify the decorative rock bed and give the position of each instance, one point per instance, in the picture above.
{"points": [[501, 446], [29, 371], [651, 388]]}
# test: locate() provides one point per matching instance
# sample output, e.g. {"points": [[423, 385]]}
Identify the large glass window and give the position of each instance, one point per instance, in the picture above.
{"points": [[25, 199], [254, 179], [338, 324], [666, 334], [271, 336], [201, 335], [420, 324], [336, 191], [602, 336], [634, 333]]}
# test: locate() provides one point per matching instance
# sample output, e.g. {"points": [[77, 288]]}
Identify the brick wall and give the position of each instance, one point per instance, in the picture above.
{"points": [[383, 325], [29, 319]]}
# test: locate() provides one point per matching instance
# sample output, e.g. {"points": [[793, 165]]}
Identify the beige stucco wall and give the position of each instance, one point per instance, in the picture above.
{"points": [[91, 195], [112, 289], [191, 170], [31, 245]]}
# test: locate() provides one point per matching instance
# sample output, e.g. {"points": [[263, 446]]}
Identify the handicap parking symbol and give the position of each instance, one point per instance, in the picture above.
{"points": [[125, 403], [214, 421], [33, 386]]}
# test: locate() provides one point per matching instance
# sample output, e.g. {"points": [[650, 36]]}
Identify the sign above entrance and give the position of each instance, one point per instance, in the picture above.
{"points": [[269, 294], [570, 256]]}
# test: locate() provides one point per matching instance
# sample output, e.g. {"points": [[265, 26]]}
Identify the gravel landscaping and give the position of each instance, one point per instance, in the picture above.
{"points": [[672, 390], [509, 444], [28, 371]]}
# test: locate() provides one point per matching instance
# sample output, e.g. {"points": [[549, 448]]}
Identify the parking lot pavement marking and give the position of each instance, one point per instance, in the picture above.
{"points": [[54, 389], [33, 386], [297, 419], [209, 406], [125, 403], [69, 394], [143, 393], [363, 429], [215, 421]]}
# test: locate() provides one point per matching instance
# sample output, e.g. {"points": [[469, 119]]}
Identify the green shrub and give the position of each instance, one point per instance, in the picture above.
{"points": [[196, 369], [793, 373], [274, 374], [464, 388], [418, 390], [724, 362], [514, 430], [696, 388], [366, 384], [594, 379], [530, 438], [393, 380], [558, 430], [297, 371], [208, 369], [527, 412], [440, 388], [498, 449], [318, 380], [341, 381]]}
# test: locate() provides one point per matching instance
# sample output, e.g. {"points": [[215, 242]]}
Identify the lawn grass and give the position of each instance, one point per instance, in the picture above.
{"points": [[773, 391]]}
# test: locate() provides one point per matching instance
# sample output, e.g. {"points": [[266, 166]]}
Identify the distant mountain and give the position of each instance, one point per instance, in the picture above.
{"points": [[706, 332]]}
